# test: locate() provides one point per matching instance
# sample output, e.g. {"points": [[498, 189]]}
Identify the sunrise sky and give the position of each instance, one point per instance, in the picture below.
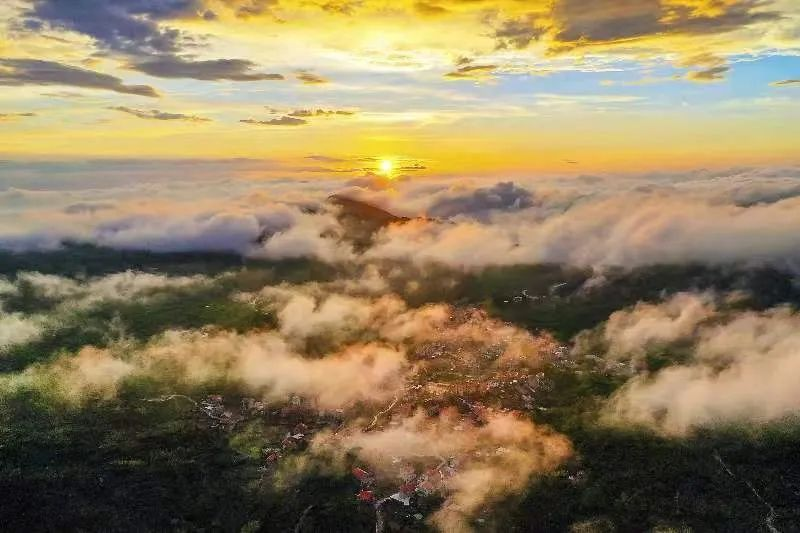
{"points": [[434, 87]]}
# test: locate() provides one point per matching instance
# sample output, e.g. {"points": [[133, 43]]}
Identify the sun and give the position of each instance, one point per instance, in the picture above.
{"points": [[386, 166]]}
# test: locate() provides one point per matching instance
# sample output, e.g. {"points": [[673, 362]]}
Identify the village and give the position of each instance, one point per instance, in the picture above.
{"points": [[455, 377], [463, 369]]}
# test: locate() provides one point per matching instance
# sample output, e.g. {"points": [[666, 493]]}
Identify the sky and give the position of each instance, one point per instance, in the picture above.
{"points": [[445, 88], [598, 134]]}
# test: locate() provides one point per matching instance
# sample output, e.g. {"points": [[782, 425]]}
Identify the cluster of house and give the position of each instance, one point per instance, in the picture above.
{"points": [[294, 415], [295, 440], [213, 407], [554, 291], [411, 482]]}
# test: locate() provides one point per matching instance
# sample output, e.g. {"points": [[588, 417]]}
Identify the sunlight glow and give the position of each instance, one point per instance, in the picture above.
{"points": [[386, 166]]}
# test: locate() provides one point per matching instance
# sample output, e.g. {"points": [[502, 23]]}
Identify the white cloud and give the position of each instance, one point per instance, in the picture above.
{"points": [[743, 369], [16, 328], [493, 459]]}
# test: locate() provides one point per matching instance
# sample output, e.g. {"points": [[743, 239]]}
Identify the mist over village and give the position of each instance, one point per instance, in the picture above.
{"points": [[400, 266]]}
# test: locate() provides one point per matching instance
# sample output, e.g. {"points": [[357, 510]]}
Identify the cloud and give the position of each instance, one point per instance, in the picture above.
{"points": [[632, 331], [478, 203], [221, 232], [68, 295], [426, 242], [347, 313], [41, 72], [155, 114], [429, 9], [784, 83], [742, 370], [363, 331], [309, 78], [122, 286], [710, 74], [260, 362], [518, 33], [89, 373], [14, 116], [135, 28], [764, 191], [281, 121], [629, 229], [312, 235], [303, 316], [171, 66], [125, 176], [473, 72], [306, 113], [64, 94], [740, 216], [445, 198], [90, 208], [606, 20], [347, 345], [245, 9], [17, 328], [490, 460], [156, 218], [298, 117], [326, 158], [579, 23], [341, 7], [132, 26]]}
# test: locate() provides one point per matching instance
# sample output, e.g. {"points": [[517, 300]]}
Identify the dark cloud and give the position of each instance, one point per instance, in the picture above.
{"points": [[580, 22], [155, 114], [478, 203], [170, 66], [606, 20], [309, 78], [40, 72], [306, 113], [12, 116], [472, 72], [786, 82], [709, 74], [281, 121], [131, 26], [518, 32], [136, 28]]}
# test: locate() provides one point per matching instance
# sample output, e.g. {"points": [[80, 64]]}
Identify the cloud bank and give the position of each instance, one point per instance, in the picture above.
{"points": [[745, 216], [741, 370]]}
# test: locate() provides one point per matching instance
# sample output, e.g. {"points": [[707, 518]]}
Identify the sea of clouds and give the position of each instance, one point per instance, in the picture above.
{"points": [[348, 342], [739, 215]]}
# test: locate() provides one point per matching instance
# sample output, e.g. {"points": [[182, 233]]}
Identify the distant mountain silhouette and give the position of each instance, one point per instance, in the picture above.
{"points": [[361, 220], [363, 211]]}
